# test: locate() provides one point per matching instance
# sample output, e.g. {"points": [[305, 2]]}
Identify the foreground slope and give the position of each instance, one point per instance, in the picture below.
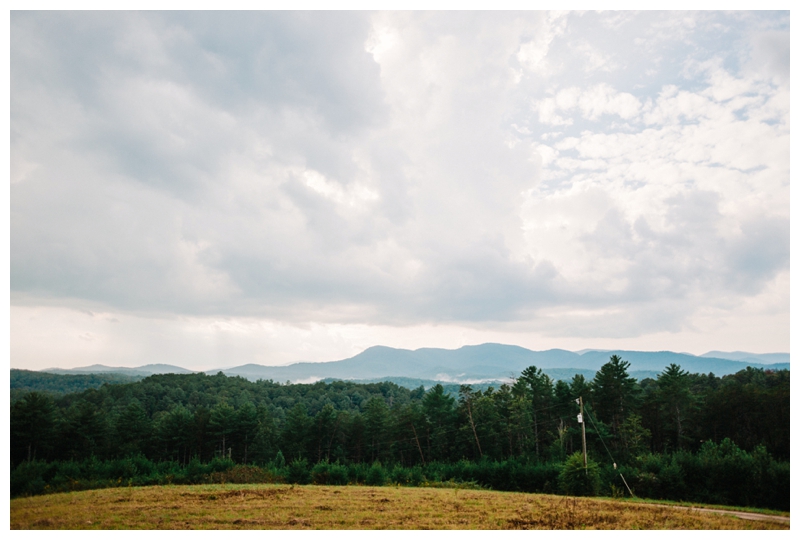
{"points": [[258, 506]]}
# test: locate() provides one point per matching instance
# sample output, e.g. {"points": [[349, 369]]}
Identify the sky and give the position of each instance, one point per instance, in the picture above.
{"points": [[215, 189]]}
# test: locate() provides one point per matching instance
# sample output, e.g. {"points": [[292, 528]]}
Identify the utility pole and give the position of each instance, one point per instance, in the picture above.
{"points": [[583, 430]]}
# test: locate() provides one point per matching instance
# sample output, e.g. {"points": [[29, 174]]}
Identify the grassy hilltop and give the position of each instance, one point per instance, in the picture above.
{"points": [[255, 506]]}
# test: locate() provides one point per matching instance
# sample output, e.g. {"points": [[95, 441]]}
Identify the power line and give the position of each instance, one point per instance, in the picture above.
{"points": [[609, 453]]}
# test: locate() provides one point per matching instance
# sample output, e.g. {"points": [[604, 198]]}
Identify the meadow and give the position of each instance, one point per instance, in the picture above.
{"points": [[271, 506]]}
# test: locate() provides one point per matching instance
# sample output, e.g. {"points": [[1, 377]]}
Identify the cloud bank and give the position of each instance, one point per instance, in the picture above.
{"points": [[573, 176]]}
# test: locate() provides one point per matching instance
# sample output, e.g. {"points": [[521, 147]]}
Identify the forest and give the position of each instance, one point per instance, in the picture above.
{"points": [[23, 382], [679, 436]]}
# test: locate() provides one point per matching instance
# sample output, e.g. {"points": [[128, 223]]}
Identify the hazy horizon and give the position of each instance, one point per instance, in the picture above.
{"points": [[211, 189], [212, 368]]}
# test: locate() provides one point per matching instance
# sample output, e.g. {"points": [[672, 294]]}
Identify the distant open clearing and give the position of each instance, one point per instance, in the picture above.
{"points": [[258, 506]]}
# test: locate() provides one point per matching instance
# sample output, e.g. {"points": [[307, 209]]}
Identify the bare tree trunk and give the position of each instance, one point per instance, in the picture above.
{"points": [[418, 446], [333, 436], [469, 410]]}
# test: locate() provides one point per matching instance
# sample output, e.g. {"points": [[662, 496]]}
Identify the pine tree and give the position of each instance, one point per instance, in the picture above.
{"points": [[540, 390], [33, 422], [675, 400], [614, 392]]}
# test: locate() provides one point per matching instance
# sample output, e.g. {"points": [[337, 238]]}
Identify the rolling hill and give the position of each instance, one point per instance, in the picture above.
{"points": [[472, 363]]}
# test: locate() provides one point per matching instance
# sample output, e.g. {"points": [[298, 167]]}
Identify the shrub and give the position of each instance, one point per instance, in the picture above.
{"points": [[220, 464], [195, 471], [337, 474], [400, 475], [26, 478], [357, 472], [298, 472], [331, 474], [575, 480], [243, 474], [376, 475], [415, 476]]}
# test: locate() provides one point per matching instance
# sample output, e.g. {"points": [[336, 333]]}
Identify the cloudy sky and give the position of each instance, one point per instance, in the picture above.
{"points": [[214, 189]]}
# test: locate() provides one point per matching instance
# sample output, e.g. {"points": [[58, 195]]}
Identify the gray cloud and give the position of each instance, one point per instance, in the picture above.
{"points": [[383, 168], [758, 254]]}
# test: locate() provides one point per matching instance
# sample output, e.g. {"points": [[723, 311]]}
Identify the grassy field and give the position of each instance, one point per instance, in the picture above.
{"points": [[258, 506]]}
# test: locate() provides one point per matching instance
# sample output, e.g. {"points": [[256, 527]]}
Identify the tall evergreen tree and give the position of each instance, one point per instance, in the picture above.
{"points": [[466, 402], [675, 400], [564, 412], [323, 433], [264, 445], [133, 430], [296, 433], [33, 423], [175, 433], [540, 390], [246, 427], [222, 427], [441, 422], [84, 433], [376, 428], [490, 423], [409, 432], [614, 392]]}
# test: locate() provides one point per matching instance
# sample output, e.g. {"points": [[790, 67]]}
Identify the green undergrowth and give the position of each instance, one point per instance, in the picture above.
{"points": [[758, 482]]}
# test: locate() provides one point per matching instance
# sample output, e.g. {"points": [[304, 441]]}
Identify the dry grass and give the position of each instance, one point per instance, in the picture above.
{"points": [[257, 506]]}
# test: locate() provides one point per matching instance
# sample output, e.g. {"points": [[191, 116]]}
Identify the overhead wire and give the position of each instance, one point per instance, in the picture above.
{"points": [[614, 461]]}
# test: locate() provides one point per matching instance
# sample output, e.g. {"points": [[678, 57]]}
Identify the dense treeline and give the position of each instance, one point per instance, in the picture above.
{"points": [[718, 473], [667, 433], [24, 382]]}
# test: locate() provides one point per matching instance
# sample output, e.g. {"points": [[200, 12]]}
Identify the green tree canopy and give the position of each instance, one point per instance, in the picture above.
{"points": [[614, 392]]}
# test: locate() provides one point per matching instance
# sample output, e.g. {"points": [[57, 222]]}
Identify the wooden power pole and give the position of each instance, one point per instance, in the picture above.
{"points": [[583, 431]]}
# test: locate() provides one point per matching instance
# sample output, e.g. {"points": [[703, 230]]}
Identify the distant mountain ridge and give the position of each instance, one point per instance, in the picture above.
{"points": [[767, 358], [149, 369], [489, 361]]}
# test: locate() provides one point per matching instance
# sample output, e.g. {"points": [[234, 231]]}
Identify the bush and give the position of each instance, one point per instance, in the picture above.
{"points": [[337, 475], [195, 472], [331, 474], [400, 475], [415, 476], [575, 480], [219, 464], [243, 474], [376, 475], [27, 478], [357, 472], [539, 477], [298, 472]]}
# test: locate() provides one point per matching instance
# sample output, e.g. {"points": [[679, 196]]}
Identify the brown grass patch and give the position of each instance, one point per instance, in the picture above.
{"points": [[348, 507]]}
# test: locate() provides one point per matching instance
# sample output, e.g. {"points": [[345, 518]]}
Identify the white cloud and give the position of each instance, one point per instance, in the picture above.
{"points": [[593, 102], [532, 54], [547, 153], [354, 196], [547, 113], [602, 99], [397, 171]]}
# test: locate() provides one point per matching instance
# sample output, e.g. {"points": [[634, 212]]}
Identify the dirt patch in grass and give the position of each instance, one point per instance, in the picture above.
{"points": [[242, 494], [348, 507]]}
